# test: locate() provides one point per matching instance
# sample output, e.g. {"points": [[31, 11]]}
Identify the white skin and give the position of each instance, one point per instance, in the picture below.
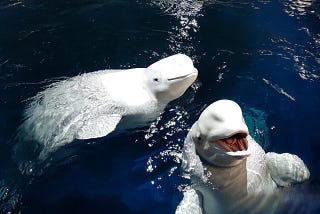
{"points": [[162, 81], [264, 171], [92, 105]]}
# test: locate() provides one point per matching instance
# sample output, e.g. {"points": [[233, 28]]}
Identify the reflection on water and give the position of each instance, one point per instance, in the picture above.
{"points": [[171, 132], [298, 8], [5, 5], [278, 89], [186, 13], [305, 56], [272, 47]]}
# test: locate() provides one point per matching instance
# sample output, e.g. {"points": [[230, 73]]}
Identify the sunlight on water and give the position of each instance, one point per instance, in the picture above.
{"points": [[179, 119], [11, 4], [186, 13], [298, 8], [278, 89], [303, 59], [272, 47], [166, 136]]}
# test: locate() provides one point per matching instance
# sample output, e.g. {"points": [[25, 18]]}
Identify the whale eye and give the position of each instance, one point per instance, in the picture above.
{"points": [[156, 79]]}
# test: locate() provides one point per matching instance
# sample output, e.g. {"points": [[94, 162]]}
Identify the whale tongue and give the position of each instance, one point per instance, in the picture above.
{"points": [[237, 142]]}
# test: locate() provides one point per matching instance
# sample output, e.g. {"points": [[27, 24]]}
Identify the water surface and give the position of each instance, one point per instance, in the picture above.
{"points": [[263, 54]]}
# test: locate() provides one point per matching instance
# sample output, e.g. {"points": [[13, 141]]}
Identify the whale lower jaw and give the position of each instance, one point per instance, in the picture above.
{"points": [[243, 153]]}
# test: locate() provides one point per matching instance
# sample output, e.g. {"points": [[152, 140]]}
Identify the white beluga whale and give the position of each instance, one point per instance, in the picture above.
{"points": [[92, 105], [219, 154]]}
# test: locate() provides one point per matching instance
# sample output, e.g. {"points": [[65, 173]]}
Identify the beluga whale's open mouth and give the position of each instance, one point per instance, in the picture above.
{"points": [[235, 146], [221, 134], [237, 142]]}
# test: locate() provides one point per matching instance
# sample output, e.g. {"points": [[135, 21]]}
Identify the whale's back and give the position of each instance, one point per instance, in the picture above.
{"points": [[55, 115]]}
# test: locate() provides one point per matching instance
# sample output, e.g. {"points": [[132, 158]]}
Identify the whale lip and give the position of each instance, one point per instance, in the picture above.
{"points": [[243, 153], [184, 76]]}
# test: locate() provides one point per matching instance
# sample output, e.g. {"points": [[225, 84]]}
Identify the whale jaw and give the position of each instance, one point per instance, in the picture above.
{"points": [[177, 87]]}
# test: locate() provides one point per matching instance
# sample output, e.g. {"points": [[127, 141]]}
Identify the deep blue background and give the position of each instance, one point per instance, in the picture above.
{"points": [[263, 54]]}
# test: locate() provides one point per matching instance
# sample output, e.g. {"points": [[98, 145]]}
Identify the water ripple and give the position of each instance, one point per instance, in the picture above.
{"points": [[305, 58], [279, 89], [186, 13], [9, 4], [297, 8]]}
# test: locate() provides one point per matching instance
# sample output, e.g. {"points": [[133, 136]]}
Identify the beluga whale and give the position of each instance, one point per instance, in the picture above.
{"points": [[92, 105], [222, 159]]}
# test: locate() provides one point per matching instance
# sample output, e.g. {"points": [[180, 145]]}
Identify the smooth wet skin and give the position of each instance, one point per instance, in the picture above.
{"points": [[94, 104], [236, 167]]}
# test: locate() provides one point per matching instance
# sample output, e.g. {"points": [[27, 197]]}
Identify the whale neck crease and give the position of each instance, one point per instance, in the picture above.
{"points": [[127, 86]]}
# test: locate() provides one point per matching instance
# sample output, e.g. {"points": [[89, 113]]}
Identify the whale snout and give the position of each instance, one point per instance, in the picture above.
{"points": [[171, 77], [192, 74]]}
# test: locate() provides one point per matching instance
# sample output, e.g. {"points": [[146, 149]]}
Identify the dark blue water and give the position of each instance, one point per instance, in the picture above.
{"points": [[263, 54]]}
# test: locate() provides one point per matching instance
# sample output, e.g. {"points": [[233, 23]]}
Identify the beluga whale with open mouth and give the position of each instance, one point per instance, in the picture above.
{"points": [[94, 104], [220, 155]]}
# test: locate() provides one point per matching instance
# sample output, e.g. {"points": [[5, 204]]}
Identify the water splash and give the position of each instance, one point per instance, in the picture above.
{"points": [[166, 136]]}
